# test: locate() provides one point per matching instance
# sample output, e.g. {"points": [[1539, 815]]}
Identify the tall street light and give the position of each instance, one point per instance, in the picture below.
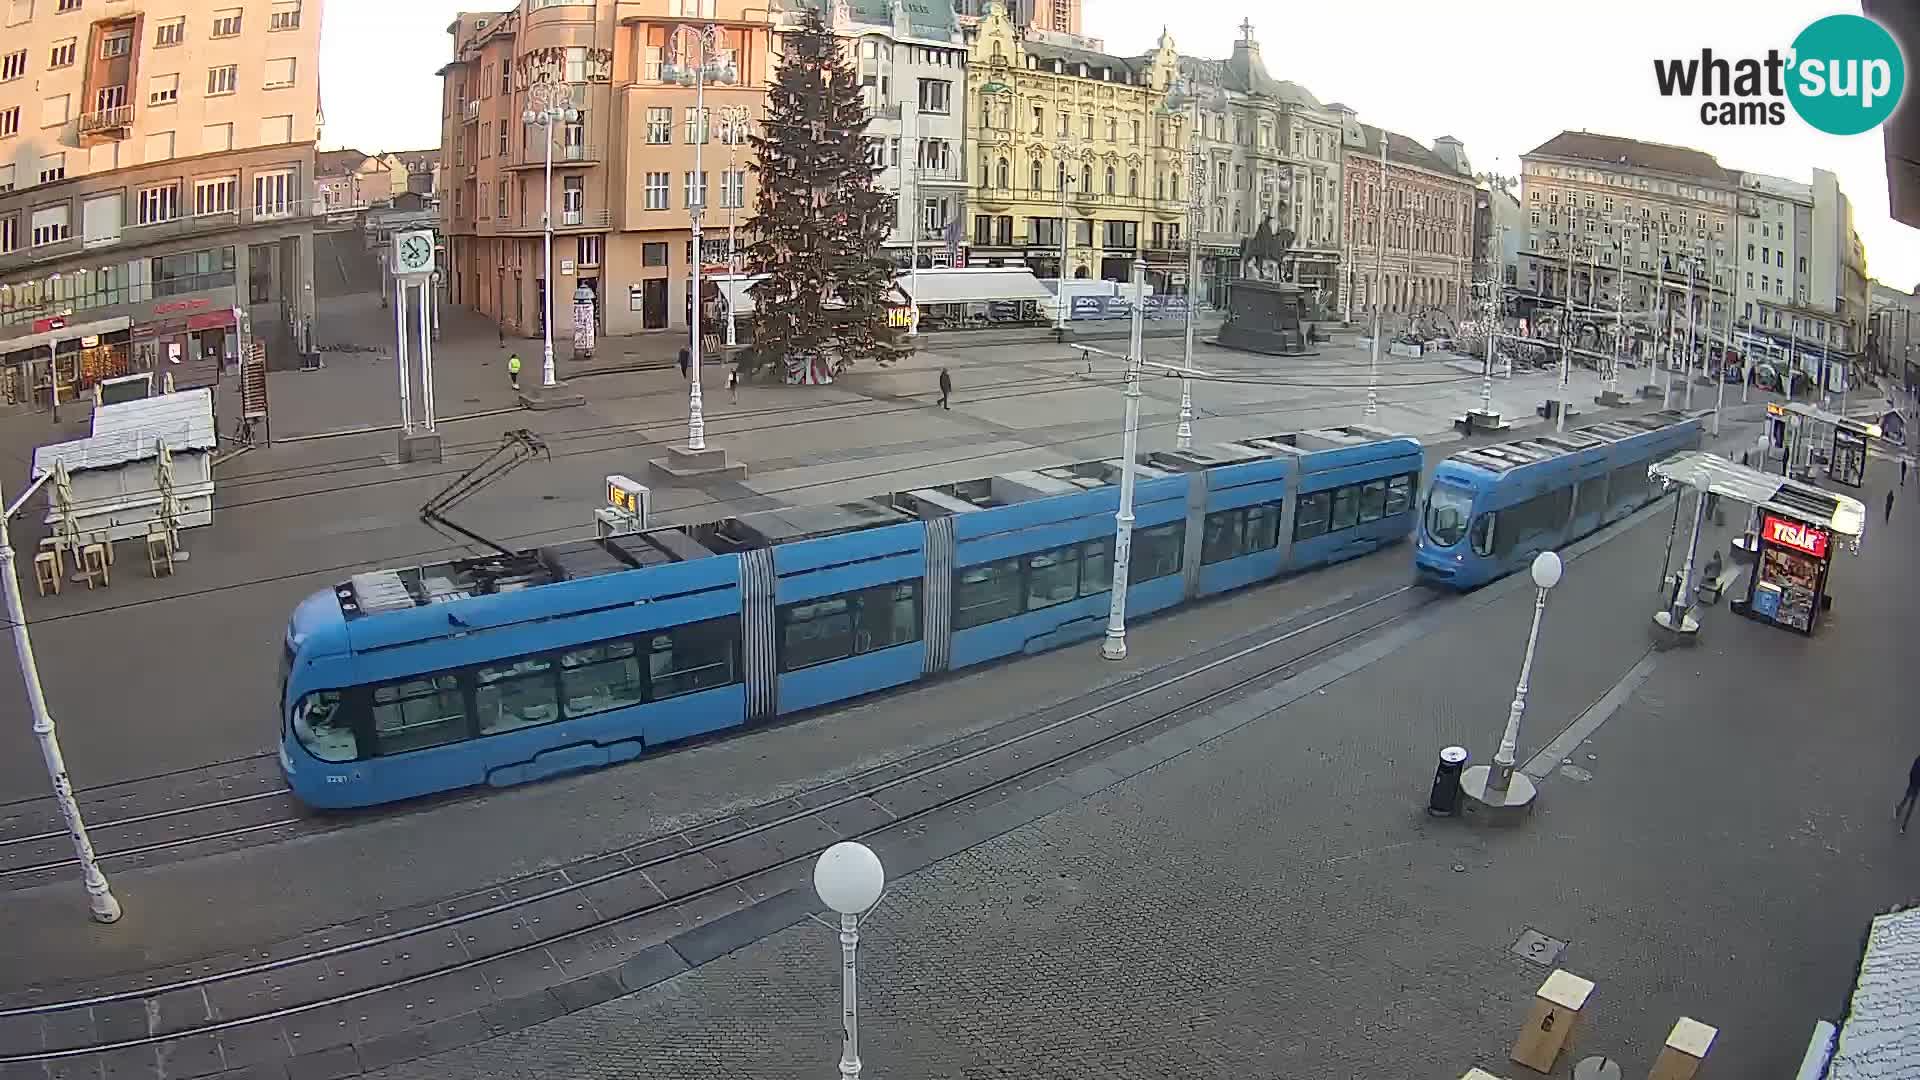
{"points": [[1185, 96], [1115, 646], [1379, 281], [733, 123], [100, 898], [719, 68], [1496, 787], [849, 879], [555, 107], [1066, 180]]}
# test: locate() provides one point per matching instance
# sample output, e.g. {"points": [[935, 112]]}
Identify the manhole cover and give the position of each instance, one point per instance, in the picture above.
{"points": [[1596, 1068], [1539, 948]]}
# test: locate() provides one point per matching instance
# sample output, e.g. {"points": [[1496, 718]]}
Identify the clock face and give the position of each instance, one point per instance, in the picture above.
{"points": [[416, 251]]}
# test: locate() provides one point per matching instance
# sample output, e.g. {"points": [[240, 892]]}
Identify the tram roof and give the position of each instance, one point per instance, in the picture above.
{"points": [[1700, 470], [1501, 457]]}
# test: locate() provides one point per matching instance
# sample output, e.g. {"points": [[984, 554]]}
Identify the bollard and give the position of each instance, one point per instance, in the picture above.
{"points": [[1445, 799], [1550, 1026], [1687, 1046]]}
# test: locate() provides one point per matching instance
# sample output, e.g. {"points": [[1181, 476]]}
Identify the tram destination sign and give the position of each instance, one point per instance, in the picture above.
{"points": [[1792, 534]]}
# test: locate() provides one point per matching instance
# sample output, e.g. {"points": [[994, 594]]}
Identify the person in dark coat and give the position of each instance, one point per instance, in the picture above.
{"points": [[686, 362], [1889, 514], [1904, 811], [946, 390]]}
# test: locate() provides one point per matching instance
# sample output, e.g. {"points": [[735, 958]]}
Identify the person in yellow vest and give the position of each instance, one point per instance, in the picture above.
{"points": [[513, 370]]}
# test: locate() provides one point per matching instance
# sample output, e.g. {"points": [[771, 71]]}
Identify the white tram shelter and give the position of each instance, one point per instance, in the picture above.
{"points": [[1793, 524], [147, 465]]}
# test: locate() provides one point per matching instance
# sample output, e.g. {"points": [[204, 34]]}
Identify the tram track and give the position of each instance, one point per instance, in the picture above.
{"points": [[597, 914], [26, 858]]}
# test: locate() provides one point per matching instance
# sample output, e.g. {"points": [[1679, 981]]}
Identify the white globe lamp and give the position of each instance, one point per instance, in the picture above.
{"points": [[849, 877], [1547, 569]]}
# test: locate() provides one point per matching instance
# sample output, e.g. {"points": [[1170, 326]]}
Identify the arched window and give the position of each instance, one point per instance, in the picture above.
{"points": [[1035, 176], [1110, 189], [1086, 178], [1133, 181], [1005, 174]]}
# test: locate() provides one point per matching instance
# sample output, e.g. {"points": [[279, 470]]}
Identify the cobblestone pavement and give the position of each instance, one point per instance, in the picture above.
{"points": [[1275, 903]]}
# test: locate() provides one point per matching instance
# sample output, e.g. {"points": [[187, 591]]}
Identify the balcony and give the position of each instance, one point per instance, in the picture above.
{"points": [[470, 112], [535, 156], [106, 123]]}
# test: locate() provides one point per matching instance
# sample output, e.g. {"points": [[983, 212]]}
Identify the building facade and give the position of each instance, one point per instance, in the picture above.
{"points": [[1270, 152], [1802, 294], [1409, 233], [1499, 230], [623, 171], [157, 175], [1072, 148], [1630, 226], [1053, 16]]}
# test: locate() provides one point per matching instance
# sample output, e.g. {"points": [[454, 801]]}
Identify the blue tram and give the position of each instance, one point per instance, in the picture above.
{"points": [[1489, 510], [504, 669]]}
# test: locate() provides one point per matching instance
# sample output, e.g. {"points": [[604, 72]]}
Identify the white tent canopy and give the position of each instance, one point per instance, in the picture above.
{"points": [[973, 284]]}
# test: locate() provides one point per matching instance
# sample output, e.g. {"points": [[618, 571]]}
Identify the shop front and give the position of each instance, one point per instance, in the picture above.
{"points": [[62, 359]]}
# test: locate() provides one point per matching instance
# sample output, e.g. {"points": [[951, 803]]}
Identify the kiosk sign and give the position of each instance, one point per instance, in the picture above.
{"points": [[1792, 534]]}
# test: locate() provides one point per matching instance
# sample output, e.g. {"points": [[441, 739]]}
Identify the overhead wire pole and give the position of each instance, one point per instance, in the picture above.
{"points": [[1726, 355], [100, 898], [1115, 646], [1566, 332], [702, 35], [1693, 319], [910, 179], [734, 120], [1379, 281], [1196, 170]]}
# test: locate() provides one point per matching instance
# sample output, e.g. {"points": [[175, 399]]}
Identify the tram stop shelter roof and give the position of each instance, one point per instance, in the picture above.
{"points": [[1844, 517], [1819, 415]]}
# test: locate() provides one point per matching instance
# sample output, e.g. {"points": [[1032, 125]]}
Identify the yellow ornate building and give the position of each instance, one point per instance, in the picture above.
{"points": [[1057, 132]]}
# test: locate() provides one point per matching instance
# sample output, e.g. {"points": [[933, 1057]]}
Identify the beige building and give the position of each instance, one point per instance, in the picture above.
{"points": [[156, 172], [623, 171], [1423, 216]]}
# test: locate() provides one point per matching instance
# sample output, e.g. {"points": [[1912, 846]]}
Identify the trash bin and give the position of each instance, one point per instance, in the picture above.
{"points": [[1445, 800]]}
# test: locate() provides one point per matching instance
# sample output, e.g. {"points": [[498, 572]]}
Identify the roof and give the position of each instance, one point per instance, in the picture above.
{"points": [[1094, 60], [127, 432], [1881, 1037], [1705, 471], [1402, 149], [973, 284], [1501, 457], [334, 162], [1614, 150]]}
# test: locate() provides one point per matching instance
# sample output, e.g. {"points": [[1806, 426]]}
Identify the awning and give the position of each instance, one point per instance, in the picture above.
{"points": [[211, 320], [974, 284], [1845, 517], [48, 338]]}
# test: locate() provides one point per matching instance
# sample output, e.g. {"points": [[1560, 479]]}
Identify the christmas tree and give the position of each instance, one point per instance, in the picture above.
{"points": [[818, 220]]}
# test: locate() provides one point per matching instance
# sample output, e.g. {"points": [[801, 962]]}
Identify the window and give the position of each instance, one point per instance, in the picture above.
{"points": [[324, 728], [1448, 508], [936, 96], [220, 195], [163, 90], [576, 64], [573, 198], [50, 225], [215, 137], [653, 254], [1373, 501], [659, 125], [986, 593], [853, 624], [1157, 551], [1542, 517], [116, 43], [68, 5], [500, 198], [53, 167], [171, 32], [226, 22], [1229, 534], [1399, 494], [586, 250], [697, 125], [733, 189], [417, 713], [273, 194], [279, 73], [696, 189], [159, 146], [62, 54], [285, 15], [601, 677], [13, 65], [516, 694], [276, 129], [222, 80], [100, 220], [656, 197], [1053, 577], [9, 121]]}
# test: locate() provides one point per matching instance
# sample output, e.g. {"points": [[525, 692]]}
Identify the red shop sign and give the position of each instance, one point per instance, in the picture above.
{"points": [[173, 306], [41, 326], [1796, 536]]}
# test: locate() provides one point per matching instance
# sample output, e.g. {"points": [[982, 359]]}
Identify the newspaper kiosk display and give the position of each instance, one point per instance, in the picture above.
{"points": [[1790, 577]]}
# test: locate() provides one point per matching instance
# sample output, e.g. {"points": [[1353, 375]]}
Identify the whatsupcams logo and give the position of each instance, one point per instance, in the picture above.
{"points": [[1843, 75]]}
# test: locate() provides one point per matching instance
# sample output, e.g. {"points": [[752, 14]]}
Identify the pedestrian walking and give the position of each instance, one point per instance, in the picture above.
{"points": [[946, 388], [503, 334], [686, 362], [513, 370], [1904, 810], [1903, 472], [1889, 514], [733, 385]]}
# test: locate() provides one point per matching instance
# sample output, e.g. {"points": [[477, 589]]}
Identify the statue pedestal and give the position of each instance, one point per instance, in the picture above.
{"points": [[1264, 317]]}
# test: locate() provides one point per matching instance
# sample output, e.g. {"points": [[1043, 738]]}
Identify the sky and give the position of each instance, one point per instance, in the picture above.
{"points": [[1503, 76]]}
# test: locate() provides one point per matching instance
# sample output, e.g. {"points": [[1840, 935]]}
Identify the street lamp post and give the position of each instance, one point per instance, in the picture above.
{"points": [[1379, 281], [1115, 646], [100, 898], [1187, 96], [1497, 787], [733, 120], [704, 66], [553, 109], [1693, 319], [849, 879], [1066, 179], [911, 172]]}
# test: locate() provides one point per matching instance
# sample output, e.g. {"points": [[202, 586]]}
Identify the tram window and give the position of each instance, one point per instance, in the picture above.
{"points": [[1448, 506], [1591, 498], [515, 694], [1399, 494], [1096, 567], [414, 714], [815, 632], [1220, 536], [1628, 484], [1262, 531], [1310, 518], [1053, 577], [1346, 508], [986, 593], [1373, 501], [323, 727], [601, 677], [1157, 551], [885, 616], [1542, 515], [697, 656], [1482, 533]]}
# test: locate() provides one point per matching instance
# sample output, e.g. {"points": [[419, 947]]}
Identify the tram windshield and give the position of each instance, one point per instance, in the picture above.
{"points": [[1448, 510]]}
